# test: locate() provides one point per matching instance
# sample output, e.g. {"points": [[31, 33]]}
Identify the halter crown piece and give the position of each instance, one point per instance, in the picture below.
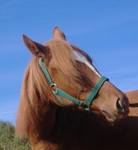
{"points": [[57, 91]]}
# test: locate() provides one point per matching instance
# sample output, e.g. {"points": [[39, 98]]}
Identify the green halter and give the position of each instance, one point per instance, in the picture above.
{"points": [[57, 91]]}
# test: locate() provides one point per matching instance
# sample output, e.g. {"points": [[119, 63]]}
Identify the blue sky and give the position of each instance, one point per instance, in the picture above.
{"points": [[107, 30]]}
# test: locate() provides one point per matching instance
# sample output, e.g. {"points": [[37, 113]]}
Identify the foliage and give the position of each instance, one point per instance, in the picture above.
{"points": [[8, 140]]}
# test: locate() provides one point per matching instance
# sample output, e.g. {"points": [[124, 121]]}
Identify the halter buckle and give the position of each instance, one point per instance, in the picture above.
{"points": [[53, 86]]}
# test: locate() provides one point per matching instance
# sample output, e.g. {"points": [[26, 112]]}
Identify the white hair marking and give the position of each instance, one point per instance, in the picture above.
{"points": [[79, 57]]}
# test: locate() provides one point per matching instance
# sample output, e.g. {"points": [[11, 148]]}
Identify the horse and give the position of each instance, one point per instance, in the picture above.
{"points": [[64, 98]]}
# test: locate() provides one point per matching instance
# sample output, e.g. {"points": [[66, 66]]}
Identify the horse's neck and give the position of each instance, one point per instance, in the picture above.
{"points": [[76, 130], [72, 130]]}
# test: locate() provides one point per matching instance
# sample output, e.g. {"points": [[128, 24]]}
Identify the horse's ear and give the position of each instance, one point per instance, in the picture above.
{"points": [[58, 34], [36, 49]]}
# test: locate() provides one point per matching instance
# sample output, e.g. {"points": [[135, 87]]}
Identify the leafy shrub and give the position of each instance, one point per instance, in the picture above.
{"points": [[8, 140]]}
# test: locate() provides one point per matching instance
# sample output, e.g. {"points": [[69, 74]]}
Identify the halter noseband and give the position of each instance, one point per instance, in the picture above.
{"points": [[57, 91]]}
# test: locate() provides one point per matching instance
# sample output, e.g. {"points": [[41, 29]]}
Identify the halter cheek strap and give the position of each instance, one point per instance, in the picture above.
{"points": [[57, 91]]}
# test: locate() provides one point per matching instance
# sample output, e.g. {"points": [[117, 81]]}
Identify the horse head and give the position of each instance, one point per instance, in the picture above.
{"points": [[72, 80]]}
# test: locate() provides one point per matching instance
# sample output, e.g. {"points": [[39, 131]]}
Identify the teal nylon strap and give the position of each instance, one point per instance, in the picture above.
{"points": [[57, 91], [95, 90], [67, 96], [45, 71]]}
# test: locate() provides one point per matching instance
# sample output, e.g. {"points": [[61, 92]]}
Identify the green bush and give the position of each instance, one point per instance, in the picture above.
{"points": [[8, 140]]}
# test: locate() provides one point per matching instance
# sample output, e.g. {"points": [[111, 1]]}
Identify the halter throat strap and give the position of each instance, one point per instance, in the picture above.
{"points": [[57, 91]]}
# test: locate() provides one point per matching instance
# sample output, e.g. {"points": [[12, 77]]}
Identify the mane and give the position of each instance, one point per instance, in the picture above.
{"points": [[33, 95]]}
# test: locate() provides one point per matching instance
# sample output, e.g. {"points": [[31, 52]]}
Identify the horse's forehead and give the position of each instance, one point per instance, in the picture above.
{"points": [[81, 58]]}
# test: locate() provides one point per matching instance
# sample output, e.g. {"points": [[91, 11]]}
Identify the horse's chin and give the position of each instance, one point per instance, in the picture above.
{"points": [[112, 119], [106, 117], [109, 118]]}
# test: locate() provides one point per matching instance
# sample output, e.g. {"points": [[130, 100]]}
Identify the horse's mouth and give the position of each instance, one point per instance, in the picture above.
{"points": [[108, 117], [113, 118]]}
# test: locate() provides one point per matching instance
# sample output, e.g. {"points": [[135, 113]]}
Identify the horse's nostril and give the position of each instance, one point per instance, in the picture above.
{"points": [[120, 104]]}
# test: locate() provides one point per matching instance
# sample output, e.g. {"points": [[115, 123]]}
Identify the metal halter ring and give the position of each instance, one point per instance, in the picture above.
{"points": [[84, 105]]}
